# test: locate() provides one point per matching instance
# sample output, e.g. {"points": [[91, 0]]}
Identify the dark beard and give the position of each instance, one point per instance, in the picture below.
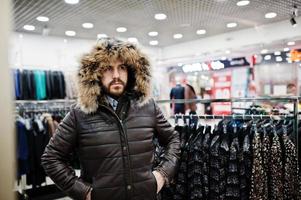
{"points": [[107, 92]]}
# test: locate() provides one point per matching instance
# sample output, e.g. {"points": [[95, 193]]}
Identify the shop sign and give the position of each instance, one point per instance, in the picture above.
{"points": [[235, 62], [295, 55], [282, 57], [221, 90]]}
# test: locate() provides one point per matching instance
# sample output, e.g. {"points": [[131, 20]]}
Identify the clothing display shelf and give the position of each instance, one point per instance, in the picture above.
{"points": [[293, 100]]}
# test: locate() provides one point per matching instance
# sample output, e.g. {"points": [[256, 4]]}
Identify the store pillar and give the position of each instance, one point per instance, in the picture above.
{"points": [[7, 146]]}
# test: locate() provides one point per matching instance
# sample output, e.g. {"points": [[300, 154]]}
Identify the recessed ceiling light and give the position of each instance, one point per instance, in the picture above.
{"points": [[264, 51], [121, 29], [102, 35], [29, 27], [42, 19], [286, 49], [71, 1], [70, 33], [231, 25], [291, 43], [277, 53], [153, 33], [177, 36], [153, 42], [201, 32], [133, 40], [160, 16], [270, 15], [87, 25], [242, 3], [227, 51]]}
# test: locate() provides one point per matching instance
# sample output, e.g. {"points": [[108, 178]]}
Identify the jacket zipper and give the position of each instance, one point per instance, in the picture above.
{"points": [[130, 184]]}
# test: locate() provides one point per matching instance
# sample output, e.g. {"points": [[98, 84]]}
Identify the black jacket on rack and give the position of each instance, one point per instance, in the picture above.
{"points": [[27, 85]]}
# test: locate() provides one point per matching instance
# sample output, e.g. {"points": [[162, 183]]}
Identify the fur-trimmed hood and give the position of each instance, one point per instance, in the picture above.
{"points": [[92, 65]]}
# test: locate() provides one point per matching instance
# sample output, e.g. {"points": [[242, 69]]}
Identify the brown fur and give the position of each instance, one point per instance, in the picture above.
{"points": [[90, 93]]}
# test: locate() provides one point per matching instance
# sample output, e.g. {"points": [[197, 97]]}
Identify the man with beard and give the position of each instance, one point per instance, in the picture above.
{"points": [[111, 128]]}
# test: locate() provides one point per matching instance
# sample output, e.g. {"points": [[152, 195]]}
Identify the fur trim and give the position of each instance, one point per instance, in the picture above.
{"points": [[90, 93]]}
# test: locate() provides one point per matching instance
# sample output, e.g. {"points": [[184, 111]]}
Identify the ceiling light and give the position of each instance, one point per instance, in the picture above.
{"points": [[177, 36], [291, 43], [286, 49], [101, 35], [87, 25], [65, 40], [29, 27], [121, 29], [278, 59], [293, 22], [201, 32], [20, 36], [270, 15], [70, 33], [160, 16], [267, 57], [277, 53], [153, 42], [242, 3], [227, 51], [133, 40], [231, 25], [264, 51], [71, 1], [153, 33], [42, 19]]}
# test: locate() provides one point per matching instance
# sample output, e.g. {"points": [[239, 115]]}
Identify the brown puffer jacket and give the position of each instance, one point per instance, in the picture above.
{"points": [[116, 151]]}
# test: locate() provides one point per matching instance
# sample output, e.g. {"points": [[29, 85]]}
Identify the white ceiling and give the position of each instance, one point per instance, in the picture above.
{"points": [[183, 16]]}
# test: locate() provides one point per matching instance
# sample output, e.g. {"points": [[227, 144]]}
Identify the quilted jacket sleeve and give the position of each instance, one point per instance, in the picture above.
{"points": [[55, 159], [170, 140]]}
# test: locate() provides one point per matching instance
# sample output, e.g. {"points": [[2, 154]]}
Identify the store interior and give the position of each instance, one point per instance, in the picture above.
{"points": [[224, 49]]}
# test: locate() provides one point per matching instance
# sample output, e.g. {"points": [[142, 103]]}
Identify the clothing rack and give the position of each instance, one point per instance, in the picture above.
{"points": [[236, 116], [33, 106], [29, 107], [18, 102], [294, 116]]}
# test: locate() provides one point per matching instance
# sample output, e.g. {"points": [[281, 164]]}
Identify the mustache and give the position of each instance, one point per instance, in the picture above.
{"points": [[117, 81]]}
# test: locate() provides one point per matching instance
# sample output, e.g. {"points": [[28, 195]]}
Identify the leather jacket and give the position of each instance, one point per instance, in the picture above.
{"points": [[115, 149]]}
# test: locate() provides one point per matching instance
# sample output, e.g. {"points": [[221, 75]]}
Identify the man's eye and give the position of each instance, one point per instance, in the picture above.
{"points": [[123, 67], [109, 69]]}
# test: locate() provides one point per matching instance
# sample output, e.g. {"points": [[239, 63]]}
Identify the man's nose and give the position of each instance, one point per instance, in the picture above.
{"points": [[116, 73]]}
